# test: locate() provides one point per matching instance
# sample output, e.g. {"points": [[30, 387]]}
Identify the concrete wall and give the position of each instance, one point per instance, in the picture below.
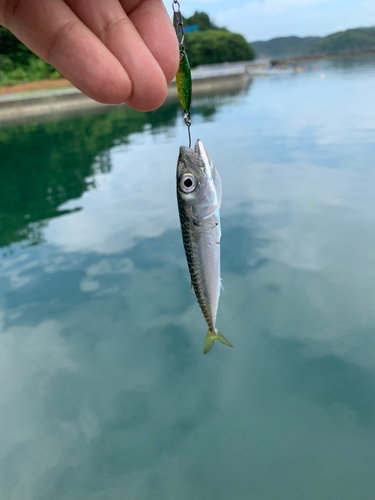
{"points": [[59, 103]]}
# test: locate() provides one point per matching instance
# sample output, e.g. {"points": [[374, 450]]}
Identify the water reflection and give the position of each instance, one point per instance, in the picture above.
{"points": [[43, 166], [350, 65]]}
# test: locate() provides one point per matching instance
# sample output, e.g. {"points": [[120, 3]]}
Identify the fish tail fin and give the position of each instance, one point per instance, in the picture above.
{"points": [[210, 339]]}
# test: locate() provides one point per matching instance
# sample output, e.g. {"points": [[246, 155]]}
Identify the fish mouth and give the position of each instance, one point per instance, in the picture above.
{"points": [[199, 157], [192, 155], [199, 149], [202, 154]]}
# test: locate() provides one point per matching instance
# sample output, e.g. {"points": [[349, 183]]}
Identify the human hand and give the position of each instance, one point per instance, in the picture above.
{"points": [[112, 50]]}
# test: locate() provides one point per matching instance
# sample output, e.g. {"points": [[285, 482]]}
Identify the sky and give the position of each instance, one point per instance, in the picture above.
{"points": [[266, 19]]}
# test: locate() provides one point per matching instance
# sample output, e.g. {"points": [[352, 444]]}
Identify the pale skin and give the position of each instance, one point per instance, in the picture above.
{"points": [[112, 50]]}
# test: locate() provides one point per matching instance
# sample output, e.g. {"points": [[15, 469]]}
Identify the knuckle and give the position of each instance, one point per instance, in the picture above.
{"points": [[111, 25], [138, 5], [59, 36]]}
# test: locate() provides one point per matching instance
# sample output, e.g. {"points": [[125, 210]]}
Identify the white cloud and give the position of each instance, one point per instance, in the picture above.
{"points": [[263, 20], [274, 7], [273, 18]]}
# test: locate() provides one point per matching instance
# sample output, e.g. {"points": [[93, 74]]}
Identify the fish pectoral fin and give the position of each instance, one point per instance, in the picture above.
{"points": [[210, 339], [221, 286], [192, 288]]}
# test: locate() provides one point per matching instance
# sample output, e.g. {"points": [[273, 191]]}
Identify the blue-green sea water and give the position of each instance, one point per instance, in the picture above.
{"points": [[105, 393]]}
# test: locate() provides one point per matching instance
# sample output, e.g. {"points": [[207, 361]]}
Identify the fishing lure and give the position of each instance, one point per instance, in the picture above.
{"points": [[183, 76]]}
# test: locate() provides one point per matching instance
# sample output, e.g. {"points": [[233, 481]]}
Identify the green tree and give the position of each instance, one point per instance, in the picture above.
{"points": [[202, 20], [217, 46], [11, 47], [19, 64]]}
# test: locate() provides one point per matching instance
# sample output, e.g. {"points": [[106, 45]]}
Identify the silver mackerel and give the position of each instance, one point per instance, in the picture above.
{"points": [[199, 199]]}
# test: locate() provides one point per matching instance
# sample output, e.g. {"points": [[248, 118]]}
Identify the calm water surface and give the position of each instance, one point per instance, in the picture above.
{"points": [[104, 391]]}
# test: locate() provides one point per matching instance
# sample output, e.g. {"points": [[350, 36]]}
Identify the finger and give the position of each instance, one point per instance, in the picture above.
{"points": [[154, 25], [57, 35], [109, 22]]}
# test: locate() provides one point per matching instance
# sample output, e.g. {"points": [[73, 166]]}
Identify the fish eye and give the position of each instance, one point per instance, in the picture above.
{"points": [[187, 183]]}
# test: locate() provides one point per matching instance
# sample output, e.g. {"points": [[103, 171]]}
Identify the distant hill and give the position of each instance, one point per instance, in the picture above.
{"points": [[351, 40], [282, 47]]}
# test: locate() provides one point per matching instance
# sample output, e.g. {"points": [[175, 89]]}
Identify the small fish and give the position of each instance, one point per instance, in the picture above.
{"points": [[199, 199], [184, 84]]}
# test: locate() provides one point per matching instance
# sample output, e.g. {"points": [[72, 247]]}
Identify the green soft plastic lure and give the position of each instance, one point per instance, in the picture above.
{"points": [[184, 84]]}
